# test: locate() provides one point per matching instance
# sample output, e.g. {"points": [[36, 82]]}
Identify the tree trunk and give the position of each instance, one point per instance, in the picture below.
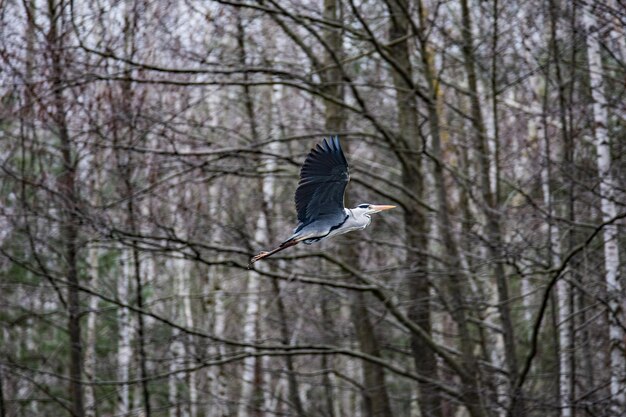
{"points": [[124, 349], [292, 382], [252, 397], [93, 261], [471, 396], [565, 374], [251, 388], [176, 357], [127, 171], [218, 406], [375, 398], [334, 123], [69, 228], [182, 311], [335, 117], [139, 296], [491, 209], [415, 225], [335, 120], [331, 406], [617, 362], [562, 306], [189, 345], [90, 348], [182, 349]]}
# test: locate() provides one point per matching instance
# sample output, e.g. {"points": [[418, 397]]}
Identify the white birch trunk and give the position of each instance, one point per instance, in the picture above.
{"points": [[536, 131], [349, 400], [617, 362], [534, 134], [189, 347], [124, 351], [218, 386], [177, 352], [220, 381], [251, 316], [495, 341], [172, 383], [93, 262], [182, 351], [497, 354], [250, 329], [90, 345], [217, 404], [563, 291]]}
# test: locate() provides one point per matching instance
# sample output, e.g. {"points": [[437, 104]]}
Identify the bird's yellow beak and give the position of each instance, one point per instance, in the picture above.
{"points": [[381, 208]]}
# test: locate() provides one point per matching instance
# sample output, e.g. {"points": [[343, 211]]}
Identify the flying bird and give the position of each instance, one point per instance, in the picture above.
{"points": [[320, 199]]}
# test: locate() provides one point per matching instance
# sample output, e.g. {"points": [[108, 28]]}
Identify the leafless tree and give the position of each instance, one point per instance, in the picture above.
{"points": [[149, 148]]}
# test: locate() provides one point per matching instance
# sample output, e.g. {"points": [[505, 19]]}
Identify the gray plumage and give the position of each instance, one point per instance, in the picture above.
{"points": [[320, 199]]}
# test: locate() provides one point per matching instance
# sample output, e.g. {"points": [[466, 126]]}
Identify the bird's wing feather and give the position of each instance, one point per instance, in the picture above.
{"points": [[323, 181]]}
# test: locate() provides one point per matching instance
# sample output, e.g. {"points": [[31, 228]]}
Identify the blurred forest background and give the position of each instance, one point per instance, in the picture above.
{"points": [[149, 148]]}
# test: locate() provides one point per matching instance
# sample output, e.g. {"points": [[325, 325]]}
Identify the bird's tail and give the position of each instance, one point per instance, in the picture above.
{"points": [[286, 244]]}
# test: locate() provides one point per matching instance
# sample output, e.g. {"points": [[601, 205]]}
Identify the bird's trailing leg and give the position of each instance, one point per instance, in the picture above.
{"points": [[286, 244]]}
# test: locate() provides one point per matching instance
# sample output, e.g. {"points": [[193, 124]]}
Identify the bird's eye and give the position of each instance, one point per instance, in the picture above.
{"points": [[364, 206]]}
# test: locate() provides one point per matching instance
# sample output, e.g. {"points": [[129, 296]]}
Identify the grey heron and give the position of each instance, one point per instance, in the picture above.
{"points": [[320, 199]]}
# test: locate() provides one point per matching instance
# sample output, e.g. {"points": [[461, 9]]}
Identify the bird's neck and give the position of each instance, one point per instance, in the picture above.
{"points": [[358, 218]]}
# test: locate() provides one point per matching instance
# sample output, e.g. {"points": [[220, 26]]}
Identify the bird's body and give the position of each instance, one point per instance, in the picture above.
{"points": [[354, 219], [320, 199]]}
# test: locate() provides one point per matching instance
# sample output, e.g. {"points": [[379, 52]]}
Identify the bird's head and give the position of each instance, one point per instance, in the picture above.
{"points": [[368, 209]]}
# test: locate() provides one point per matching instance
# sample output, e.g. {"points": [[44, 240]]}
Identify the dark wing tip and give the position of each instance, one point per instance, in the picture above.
{"points": [[323, 179], [337, 148], [327, 146]]}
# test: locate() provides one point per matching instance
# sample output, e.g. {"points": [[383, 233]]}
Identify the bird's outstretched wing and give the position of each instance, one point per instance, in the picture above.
{"points": [[323, 181]]}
